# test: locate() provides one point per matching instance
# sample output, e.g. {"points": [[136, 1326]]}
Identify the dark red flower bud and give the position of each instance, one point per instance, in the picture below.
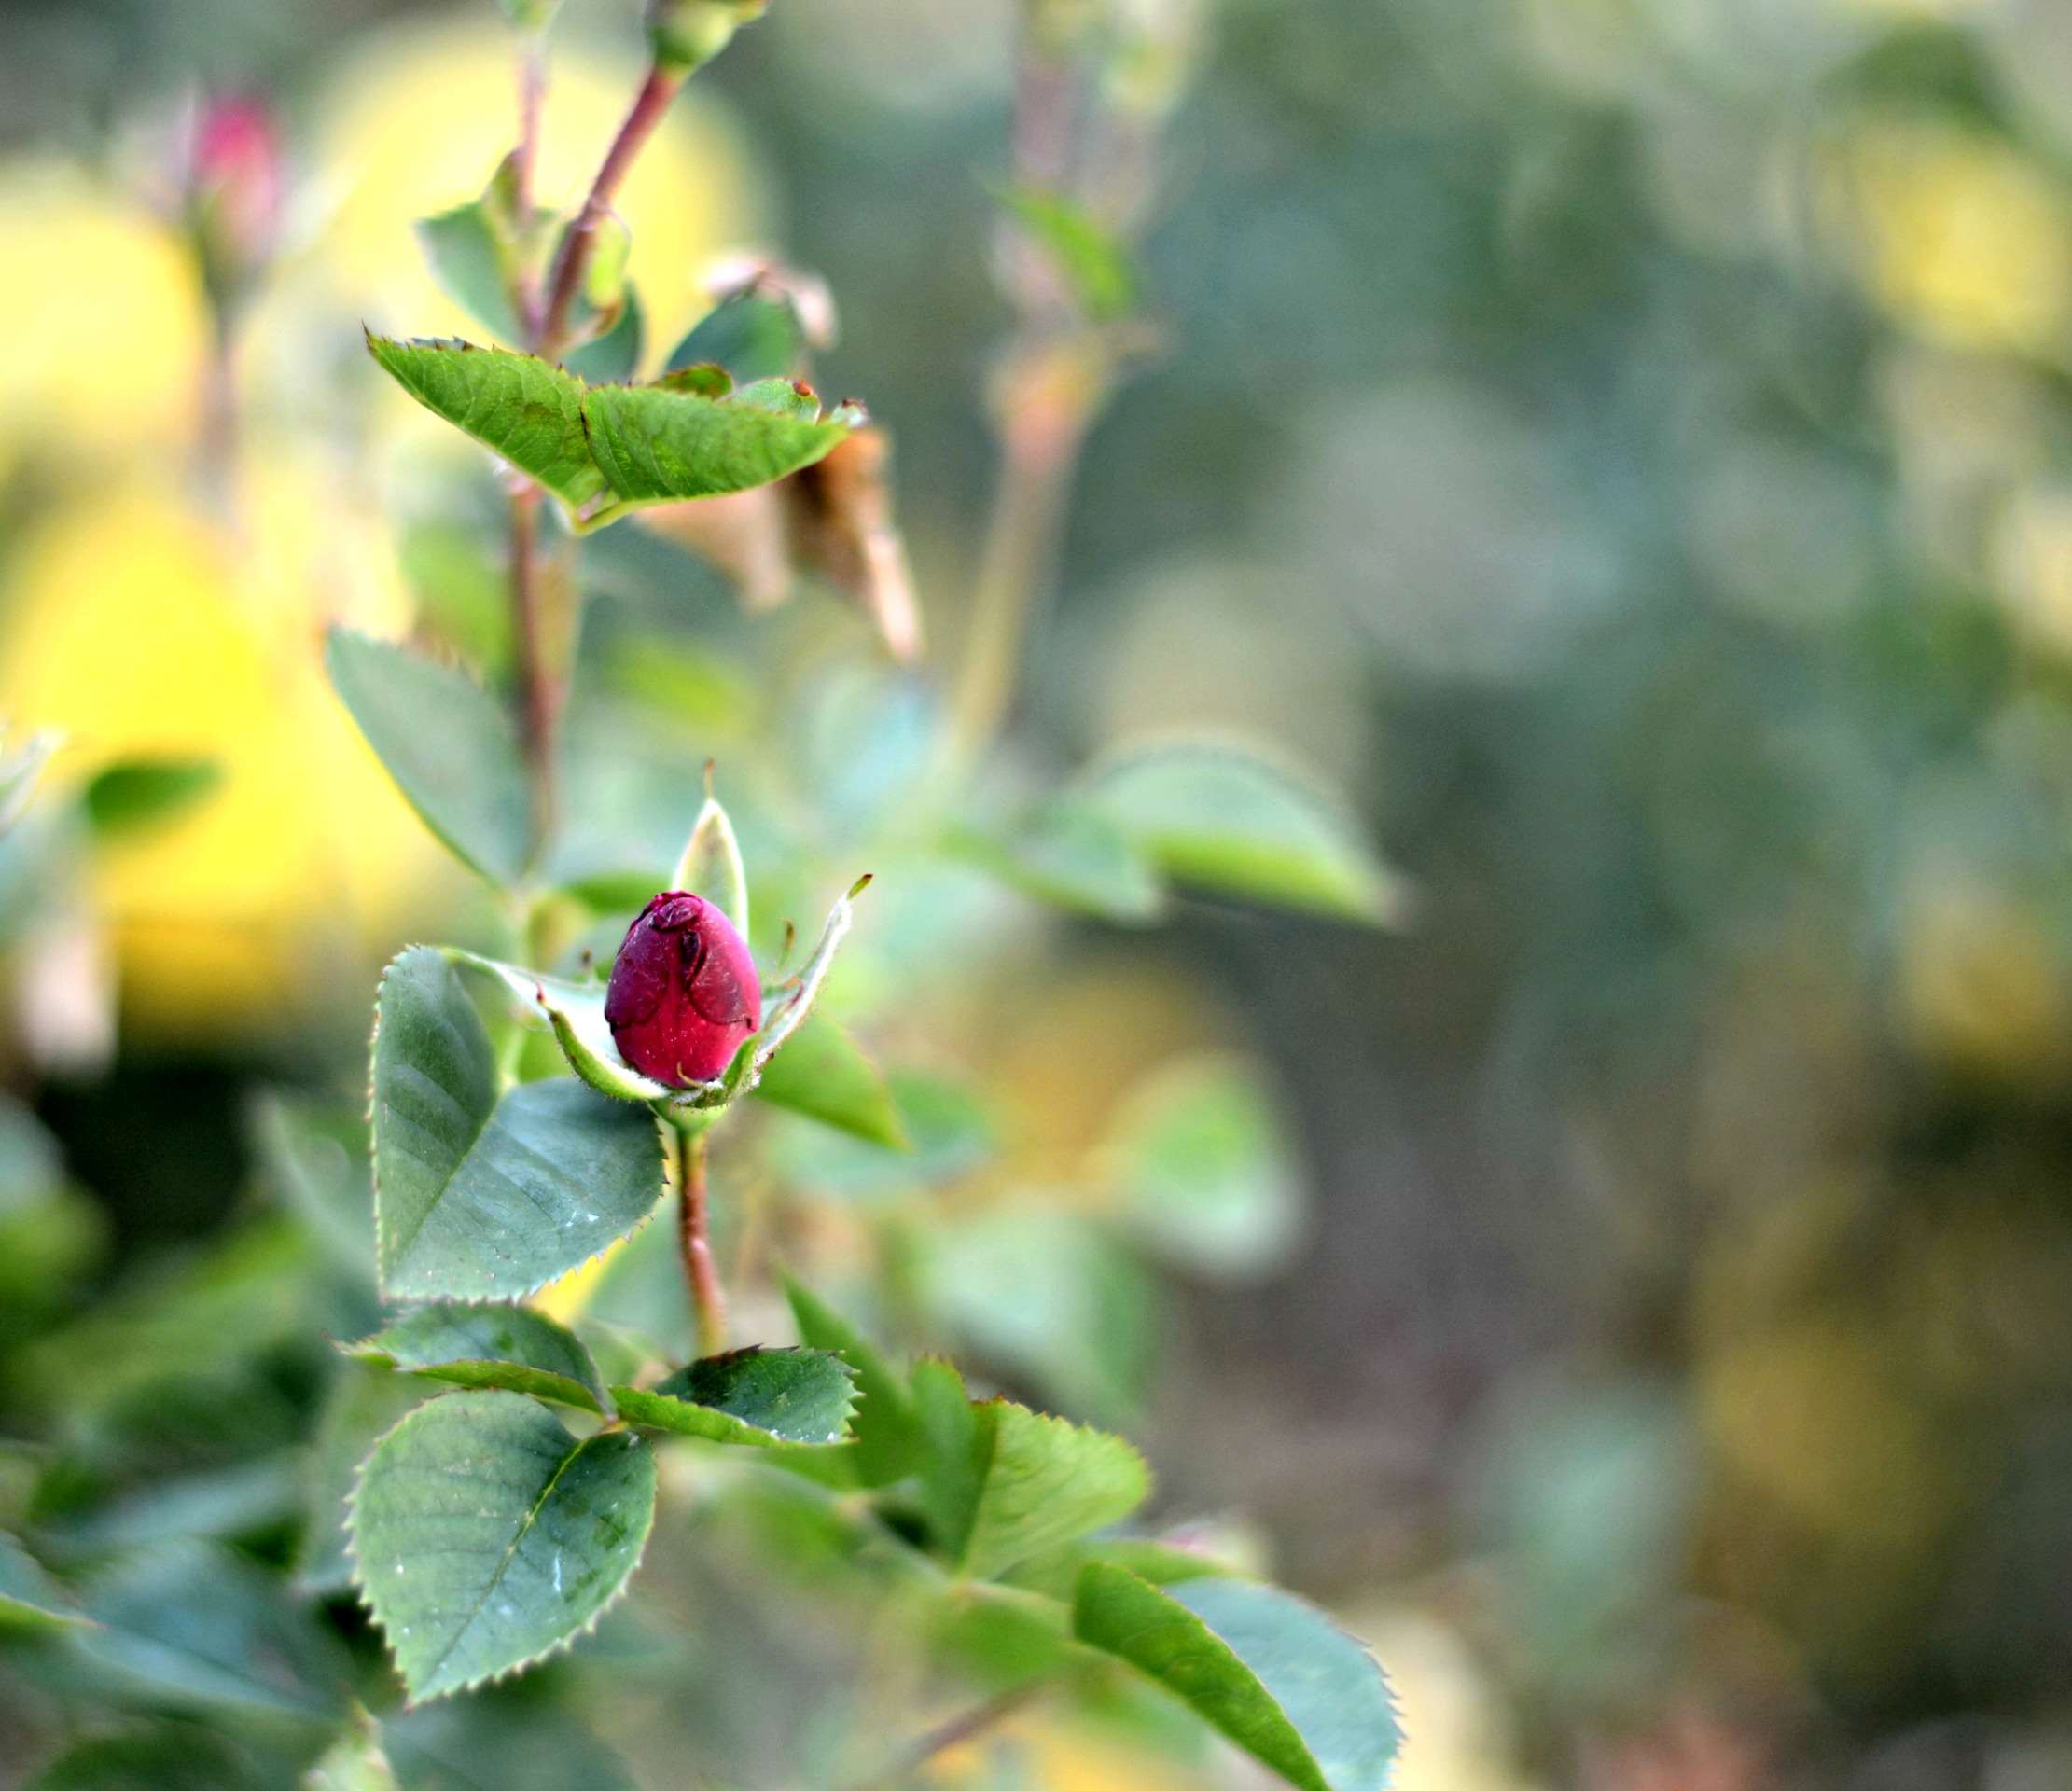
{"points": [[684, 992]]}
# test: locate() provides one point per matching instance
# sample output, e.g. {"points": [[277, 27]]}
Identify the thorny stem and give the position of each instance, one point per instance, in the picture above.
{"points": [[648, 106], [694, 1242]]}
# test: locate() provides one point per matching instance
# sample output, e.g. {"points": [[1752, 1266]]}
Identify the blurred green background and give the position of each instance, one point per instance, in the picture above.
{"points": [[1627, 444]]}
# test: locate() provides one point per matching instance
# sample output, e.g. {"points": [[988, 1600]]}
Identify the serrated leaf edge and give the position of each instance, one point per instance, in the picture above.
{"points": [[845, 1436], [411, 1700]]}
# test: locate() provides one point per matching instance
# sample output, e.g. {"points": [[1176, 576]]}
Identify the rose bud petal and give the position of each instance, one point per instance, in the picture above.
{"points": [[684, 993]]}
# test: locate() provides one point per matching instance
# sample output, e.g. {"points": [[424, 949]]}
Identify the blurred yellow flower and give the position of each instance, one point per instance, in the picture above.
{"points": [[139, 629], [2032, 555], [102, 326], [1810, 1414], [1958, 235], [1981, 985]]}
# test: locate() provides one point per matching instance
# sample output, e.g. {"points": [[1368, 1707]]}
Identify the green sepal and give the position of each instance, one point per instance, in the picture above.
{"points": [[711, 865]]}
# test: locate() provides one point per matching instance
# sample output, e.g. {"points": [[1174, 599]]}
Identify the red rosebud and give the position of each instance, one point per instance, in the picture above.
{"points": [[684, 992]]}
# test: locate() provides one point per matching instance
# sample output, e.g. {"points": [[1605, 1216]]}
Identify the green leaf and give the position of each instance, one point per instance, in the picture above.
{"points": [[462, 592], [354, 1762], [478, 1196], [489, 1346], [50, 1232], [753, 335], [1203, 1171], [487, 1537], [362, 1405], [575, 1012], [179, 1325], [1055, 1572], [315, 1160], [615, 356], [887, 1432], [1072, 855], [30, 1599], [1270, 1671], [140, 793], [501, 1739], [449, 745], [516, 405], [472, 259], [711, 865], [165, 1757], [949, 1130], [703, 379], [239, 1498], [760, 1397], [1048, 1293], [630, 444], [195, 1626], [1223, 820], [824, 1074], [655, 446], [1093, 261], [1002, 1482]]}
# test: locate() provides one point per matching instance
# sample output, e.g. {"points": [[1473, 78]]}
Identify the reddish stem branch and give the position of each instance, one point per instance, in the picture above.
{"points": [[648, 106], [694, 1243]]}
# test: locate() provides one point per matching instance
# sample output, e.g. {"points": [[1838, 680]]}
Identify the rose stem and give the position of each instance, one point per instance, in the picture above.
{"points": [[537, 699], [648, 106], [1042, 420], [701, 1268]]}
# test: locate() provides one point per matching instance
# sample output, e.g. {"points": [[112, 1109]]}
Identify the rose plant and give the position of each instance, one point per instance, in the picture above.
{"points": [[506, 1438]]}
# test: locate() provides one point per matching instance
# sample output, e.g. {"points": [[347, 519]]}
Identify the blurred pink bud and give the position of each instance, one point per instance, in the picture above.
{"points": [[235, 187], [684, 993]]}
